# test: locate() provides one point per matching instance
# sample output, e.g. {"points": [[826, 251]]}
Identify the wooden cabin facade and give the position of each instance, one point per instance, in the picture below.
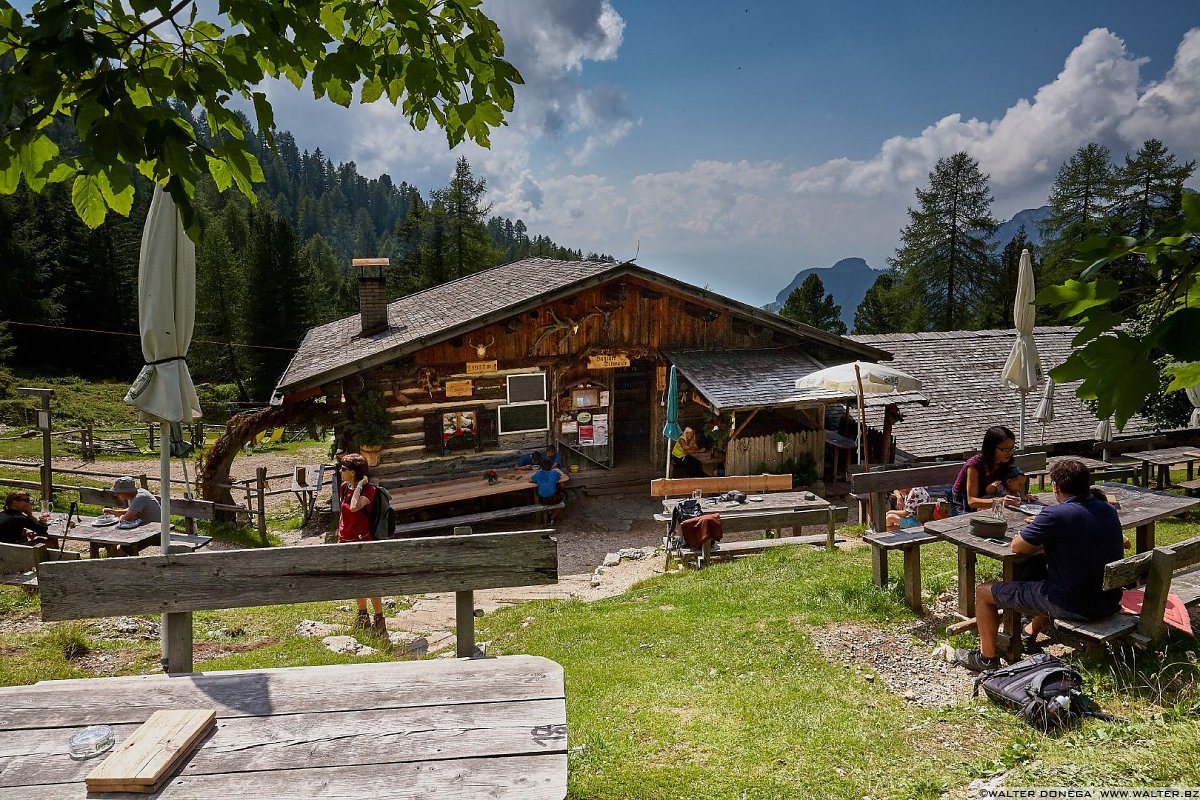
{"points": [[575, 354]]}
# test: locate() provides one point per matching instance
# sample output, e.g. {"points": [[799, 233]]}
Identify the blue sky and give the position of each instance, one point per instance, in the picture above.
{"points": [[734, 144]]}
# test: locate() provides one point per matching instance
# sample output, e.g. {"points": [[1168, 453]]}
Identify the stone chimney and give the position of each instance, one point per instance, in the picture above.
{"points": [[372, 295]]}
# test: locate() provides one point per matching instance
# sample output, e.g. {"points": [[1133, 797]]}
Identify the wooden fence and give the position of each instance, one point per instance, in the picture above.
{"points": [[746, 456]]}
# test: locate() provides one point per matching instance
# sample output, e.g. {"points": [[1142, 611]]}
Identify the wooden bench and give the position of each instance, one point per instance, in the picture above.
{"points": [[449, 523], [768, 522], [751, 484], [177, 585], [878, 485], [19, 562], [190, 510], [1169, 569], [1191, 487]]}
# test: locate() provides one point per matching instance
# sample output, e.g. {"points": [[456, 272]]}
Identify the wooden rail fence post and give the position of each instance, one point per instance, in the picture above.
{"points": [[261, 477]]}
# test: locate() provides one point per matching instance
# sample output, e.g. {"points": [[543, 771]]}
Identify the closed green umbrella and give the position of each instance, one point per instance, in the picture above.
{"points": [[671, 430]]}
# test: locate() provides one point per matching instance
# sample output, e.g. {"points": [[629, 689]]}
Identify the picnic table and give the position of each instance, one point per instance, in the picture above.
{"points": [[307, 482], [1099, 469], [444, 492], [1164, 459], [770, 501], [1139, 508], [129, 541], [464, 728]]}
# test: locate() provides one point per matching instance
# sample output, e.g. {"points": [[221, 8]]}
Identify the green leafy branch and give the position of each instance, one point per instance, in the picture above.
{"points": [[1115, 361]]}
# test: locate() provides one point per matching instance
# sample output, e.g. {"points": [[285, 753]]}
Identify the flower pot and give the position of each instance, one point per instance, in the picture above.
{"points": [[371, 453], [779, 447]]}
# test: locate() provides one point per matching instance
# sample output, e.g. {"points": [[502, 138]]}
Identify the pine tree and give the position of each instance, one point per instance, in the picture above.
{"points": [[469, 247], [945, 253], [996, 305], [882, 309], [808, 303], [1079, 205], [1149, 189]]}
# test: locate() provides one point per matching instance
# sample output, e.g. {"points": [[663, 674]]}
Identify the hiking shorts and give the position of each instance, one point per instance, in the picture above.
{"points": [[1031, 598]]}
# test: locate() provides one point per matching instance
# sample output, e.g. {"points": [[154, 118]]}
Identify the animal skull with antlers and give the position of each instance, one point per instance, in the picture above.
{"points": [[481, 349]]}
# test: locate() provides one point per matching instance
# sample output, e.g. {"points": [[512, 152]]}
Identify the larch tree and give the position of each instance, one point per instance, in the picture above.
{"points": [[995, 309], [1079, 205], [469, 247], [945, 252], [810, 304], [1149, 190]]}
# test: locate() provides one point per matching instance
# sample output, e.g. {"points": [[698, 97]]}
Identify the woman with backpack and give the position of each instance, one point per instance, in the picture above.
{"points": [[356, 494]]}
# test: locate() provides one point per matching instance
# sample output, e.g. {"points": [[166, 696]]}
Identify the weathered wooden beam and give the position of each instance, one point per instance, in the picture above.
{"points": [[673, 487], [270, 576]]}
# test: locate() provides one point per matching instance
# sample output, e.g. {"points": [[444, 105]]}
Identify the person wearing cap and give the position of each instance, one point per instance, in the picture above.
{"points": [[18, 525], [139, 503]]}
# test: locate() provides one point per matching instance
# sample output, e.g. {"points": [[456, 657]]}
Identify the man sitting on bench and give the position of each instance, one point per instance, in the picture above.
{"points": [[18, 525], [1079, 536], [140, 505]]}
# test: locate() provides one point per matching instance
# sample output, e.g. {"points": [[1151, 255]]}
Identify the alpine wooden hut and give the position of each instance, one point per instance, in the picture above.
{"points": [[571, 353]]}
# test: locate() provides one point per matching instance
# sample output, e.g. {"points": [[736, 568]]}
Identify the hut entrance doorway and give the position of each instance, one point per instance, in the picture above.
{"points": [[634, 397]]}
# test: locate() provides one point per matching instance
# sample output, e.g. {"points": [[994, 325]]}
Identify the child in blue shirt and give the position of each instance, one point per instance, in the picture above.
{"points": [[549, 479]]}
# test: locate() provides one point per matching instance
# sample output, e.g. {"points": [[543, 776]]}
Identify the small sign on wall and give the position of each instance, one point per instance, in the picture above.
{"points": [[458, 388], [607, 362], [660, 379], [480, 367]]}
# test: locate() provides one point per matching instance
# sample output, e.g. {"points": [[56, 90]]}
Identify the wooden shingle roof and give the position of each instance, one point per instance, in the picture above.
{"points": [[732, 380], [335, 350], [960, 374]]}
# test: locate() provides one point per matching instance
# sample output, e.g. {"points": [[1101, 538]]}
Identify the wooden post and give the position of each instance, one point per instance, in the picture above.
{"points": [[45, 427], [464, 613], [144, 482], [177, 646], [150, 436], [829, 542], [1154, 601], [261, 480]]}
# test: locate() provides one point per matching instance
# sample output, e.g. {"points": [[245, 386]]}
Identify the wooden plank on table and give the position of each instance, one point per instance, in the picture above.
{"points": [[775, 520], [288, 690], [674, 487], [533, 777], [144, 760], [1102, 630], [473, 519], [430, 494], [242, 578]]}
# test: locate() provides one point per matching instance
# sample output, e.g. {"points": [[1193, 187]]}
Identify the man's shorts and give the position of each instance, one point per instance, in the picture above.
{"points": [[1030, 598]]}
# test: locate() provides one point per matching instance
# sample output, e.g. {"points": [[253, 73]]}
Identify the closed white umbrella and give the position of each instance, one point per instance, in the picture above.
{"points": [[1045, 409], [1023, 369], [1104, 433], [163, 390], [1193, 394], [862, 378]]}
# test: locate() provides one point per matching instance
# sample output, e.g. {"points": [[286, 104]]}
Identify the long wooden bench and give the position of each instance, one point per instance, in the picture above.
{"points": [[751, 484], [1191, 487], [190, 510], [878, 485], [449, 523], [19, 562], [1168, 569], [768, 522]]}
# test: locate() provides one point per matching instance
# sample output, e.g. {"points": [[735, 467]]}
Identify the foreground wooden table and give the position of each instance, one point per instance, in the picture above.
{"points": [[1140, 509], [455, 729]]}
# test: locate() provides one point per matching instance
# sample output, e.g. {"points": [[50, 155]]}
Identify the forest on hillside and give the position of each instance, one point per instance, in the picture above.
{"points": [[265, 272]]}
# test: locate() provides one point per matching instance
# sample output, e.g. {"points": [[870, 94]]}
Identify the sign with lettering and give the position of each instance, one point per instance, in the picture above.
{"points": [[660, 379], [458, 388], [607, 362], [481, 367], [370, 262]]}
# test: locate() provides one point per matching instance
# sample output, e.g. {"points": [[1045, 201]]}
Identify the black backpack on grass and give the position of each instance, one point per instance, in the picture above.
{"points": [[1044, 690], [383, 516]]}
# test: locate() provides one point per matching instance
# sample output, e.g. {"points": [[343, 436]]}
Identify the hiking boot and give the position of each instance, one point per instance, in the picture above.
{"points": [[361, 622], [975, 661], [1029, 644], [379, 627]]}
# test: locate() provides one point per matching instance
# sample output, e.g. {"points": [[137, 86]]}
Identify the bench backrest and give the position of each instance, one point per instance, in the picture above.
{"points": [[16, 558], [1135, 569], [180, 506], [676, 487], [775, 520], [271, 576]]}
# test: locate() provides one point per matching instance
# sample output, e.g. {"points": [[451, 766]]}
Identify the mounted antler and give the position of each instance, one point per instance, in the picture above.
{"points": [[569, 327], [481, 349]]}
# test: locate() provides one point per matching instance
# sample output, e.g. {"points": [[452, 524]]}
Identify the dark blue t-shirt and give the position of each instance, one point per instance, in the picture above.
{"points": [[547, 481], [1080, 536]]}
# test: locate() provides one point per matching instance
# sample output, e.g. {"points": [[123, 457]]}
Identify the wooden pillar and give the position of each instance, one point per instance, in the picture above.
{"points": [[44, 425], [1151, 628], [891, 415], [261, 483], [966, 582], [464, 613], [177, 646]]}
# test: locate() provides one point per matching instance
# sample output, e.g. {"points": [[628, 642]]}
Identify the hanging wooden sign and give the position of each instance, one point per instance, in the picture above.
{"points": [[458, 388], [607, 362], [660, 379], [480, 367]]}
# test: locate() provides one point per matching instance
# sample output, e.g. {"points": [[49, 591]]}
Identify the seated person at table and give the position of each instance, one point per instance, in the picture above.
{"points": [[1079, 536], [983, 476], [682, 458], [549, 480], [18, 525], [139, 504], [906, 515], [534, 460]]}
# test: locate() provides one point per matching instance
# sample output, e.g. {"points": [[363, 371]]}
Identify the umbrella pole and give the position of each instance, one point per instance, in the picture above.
{"points": [[1021, 445], [863, 458], [670, 444], [164, 527]]}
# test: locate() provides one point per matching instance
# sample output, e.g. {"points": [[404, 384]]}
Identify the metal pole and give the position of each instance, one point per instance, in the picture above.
{"points": [[1021, 443]]}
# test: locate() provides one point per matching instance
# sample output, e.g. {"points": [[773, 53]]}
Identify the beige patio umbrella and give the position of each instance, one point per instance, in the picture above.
{"points": [[1193, 394], [1045, 409], [1104, 434], [861, 378], [163, 390], [1023, 369]]}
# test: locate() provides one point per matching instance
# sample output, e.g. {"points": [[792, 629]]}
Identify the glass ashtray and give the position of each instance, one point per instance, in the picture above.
{"points": [[91, 742]]}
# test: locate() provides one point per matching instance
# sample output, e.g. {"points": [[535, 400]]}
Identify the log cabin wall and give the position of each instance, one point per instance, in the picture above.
{"points": [[627, 316]]}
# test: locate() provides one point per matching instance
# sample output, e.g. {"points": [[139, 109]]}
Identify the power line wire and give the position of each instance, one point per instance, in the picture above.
{"points": [[138, 335]]}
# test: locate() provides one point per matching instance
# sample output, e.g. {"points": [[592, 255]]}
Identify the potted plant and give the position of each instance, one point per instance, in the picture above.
{"points": [[370, 424], [491, 476], [717, 429], [781, 439]]}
